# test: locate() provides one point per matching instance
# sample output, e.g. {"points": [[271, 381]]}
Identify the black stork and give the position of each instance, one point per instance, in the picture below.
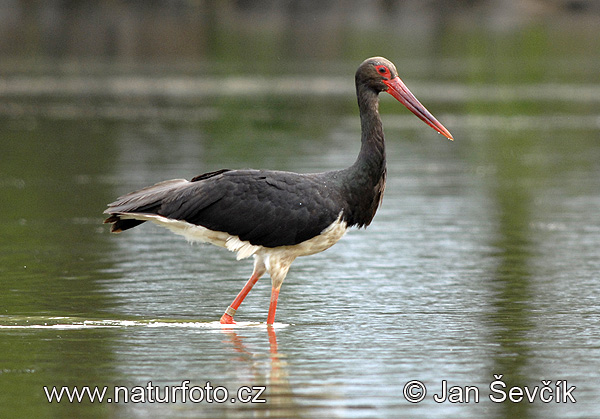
{"points": [[276, 216]]}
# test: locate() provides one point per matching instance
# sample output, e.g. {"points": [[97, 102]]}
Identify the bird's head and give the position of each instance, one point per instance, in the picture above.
{"points": [[380, 75]]}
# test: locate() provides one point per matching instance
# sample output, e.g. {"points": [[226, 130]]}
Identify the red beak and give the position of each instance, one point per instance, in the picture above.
{"points": [[398, 89]]}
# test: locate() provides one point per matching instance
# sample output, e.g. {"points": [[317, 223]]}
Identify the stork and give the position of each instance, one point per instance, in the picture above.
{"points": [[277, 216]]}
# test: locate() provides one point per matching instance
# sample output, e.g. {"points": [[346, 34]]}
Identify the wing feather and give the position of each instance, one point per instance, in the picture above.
{"points": [[266, 208]]}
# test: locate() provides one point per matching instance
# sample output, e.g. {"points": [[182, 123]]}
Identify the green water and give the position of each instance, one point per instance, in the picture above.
{"points": [[482, 260]]}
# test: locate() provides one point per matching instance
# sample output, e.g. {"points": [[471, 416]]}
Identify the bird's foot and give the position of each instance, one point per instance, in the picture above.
{"points": [[227, 319]]}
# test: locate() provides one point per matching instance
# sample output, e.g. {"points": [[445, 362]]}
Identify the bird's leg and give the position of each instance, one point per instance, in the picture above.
{"points": [[259, 270], [227, 318], [278, 269], [273, 305]]}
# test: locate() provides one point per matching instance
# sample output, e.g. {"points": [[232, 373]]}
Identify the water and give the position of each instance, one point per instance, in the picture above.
{"points": [[482, 260]]}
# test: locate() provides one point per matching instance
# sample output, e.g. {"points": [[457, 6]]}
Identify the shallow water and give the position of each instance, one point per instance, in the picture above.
{"points": [[483, 259]]}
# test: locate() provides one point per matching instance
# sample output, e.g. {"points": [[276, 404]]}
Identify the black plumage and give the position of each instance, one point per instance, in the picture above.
{"points": [[266, 208], [283, 215]]}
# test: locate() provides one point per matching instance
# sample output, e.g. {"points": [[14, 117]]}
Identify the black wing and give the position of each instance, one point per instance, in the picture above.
{"points": [[266, 208]]}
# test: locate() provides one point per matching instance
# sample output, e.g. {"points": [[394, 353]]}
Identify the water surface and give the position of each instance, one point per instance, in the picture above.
{"points": [[482, 260]]}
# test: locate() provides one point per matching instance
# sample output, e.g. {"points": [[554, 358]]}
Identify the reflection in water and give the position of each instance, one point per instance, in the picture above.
{"points": [[73, 134], [278, 393], [512, 295]]}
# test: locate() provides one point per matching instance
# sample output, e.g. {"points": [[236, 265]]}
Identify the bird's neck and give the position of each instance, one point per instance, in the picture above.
{"points": [[366, 177], [371, 159]]}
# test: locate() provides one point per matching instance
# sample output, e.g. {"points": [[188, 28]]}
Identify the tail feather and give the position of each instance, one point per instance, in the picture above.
{"points": [[147, 200], [119, 224]]}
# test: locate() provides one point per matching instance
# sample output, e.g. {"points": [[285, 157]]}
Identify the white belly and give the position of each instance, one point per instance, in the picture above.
{"points": [[244, 249]]}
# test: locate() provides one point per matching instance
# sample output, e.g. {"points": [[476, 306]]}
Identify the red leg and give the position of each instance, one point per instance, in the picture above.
{"points": [[273, 305], [227, 318]]}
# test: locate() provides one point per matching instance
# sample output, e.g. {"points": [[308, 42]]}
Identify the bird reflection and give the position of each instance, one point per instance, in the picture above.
{"points": [[264, 368]]}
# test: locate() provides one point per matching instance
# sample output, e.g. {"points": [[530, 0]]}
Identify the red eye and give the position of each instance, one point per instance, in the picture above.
{"points": [[383, 70]]}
